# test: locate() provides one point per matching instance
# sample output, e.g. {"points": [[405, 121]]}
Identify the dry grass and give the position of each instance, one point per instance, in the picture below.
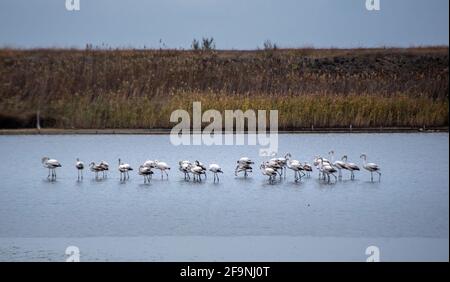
{"points": [[309, 87]]}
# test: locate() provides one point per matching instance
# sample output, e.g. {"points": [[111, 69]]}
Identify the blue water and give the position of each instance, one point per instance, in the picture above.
{"points": [[412, 199]]}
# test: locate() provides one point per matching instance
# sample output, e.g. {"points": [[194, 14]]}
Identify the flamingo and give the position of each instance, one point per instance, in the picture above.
{"points": [[274, 164], [163, 167], [79, 166], [268, 171], [327, 169], [150, 164], [146, 172], [51, 164], [282, 162], [297, 167], [105, 167], [215, 168], [95, 168], [350, 166], [185, 167], [199, 164], [197, 171], [244, 165], [308, 168], [340, 165], [123, 169], [317, 161], [372, 167]]}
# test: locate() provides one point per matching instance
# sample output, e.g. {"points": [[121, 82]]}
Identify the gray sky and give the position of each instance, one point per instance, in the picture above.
{"points": [[238, 24]]}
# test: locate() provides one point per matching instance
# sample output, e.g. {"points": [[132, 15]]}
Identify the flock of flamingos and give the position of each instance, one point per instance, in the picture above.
{"points": [[272, 168]]}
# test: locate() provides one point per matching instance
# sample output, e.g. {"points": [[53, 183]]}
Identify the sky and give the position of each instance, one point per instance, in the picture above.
{"points": [[234, 24]]}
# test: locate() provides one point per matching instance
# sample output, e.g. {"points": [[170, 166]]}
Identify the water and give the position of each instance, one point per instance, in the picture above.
{"points": [[407, 213]]}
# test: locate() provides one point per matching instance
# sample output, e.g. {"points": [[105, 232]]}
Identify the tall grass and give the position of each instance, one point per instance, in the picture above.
{"points": [[139, 89]]}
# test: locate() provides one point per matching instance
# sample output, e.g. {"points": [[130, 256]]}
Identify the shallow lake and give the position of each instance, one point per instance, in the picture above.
{"points": [[406, 214]]}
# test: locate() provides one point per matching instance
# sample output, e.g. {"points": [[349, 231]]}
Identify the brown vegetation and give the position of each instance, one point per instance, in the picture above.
{"points": [[140, 88]]}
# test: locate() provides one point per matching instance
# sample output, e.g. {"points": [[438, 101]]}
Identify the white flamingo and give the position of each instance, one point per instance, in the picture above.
{"points": [[96, 168], [197, 171], [146, 172], [124, 169], [199, 164], [51, 164], [268, 171], [308, 168], [275, 165], [79, 166], [327, 169], [372, 167], [185, 167], [282, 162], [244, 165], [317, 162], [105, 167], [340, 165], [163, 167], [215, 168], [350, 166], [298, 169]]}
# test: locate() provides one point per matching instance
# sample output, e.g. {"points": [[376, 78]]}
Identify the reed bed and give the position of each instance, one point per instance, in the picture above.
{"points": [[331, 88]]}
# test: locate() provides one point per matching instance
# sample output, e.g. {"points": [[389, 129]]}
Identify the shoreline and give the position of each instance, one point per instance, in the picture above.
{"points": [[161, 131]]}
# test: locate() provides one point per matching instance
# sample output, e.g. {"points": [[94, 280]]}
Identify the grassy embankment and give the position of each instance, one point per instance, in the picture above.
{"points": [[332, 88]]}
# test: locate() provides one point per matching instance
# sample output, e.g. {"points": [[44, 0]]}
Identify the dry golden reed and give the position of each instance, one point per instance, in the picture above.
{"points": [[320, 88]]}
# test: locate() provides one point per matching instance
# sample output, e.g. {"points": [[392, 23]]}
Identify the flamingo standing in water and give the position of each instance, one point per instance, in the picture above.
{"points": [[268, 171], [320, 160], [244, 165], [372, 167], [282, 162], [202, 166], [105, 167], [146, 172], [79, 166], [197, 172], [350, 166], [340, 165], [163, 167], [275, 165], [327, 169], [124, 169], [298, 169], [95, 168], [51, 164], [185, 167], [215, 168], [308, 168]]}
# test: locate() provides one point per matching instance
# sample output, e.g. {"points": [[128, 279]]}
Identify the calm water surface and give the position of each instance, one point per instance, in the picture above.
{"points": [[411, 201]]}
